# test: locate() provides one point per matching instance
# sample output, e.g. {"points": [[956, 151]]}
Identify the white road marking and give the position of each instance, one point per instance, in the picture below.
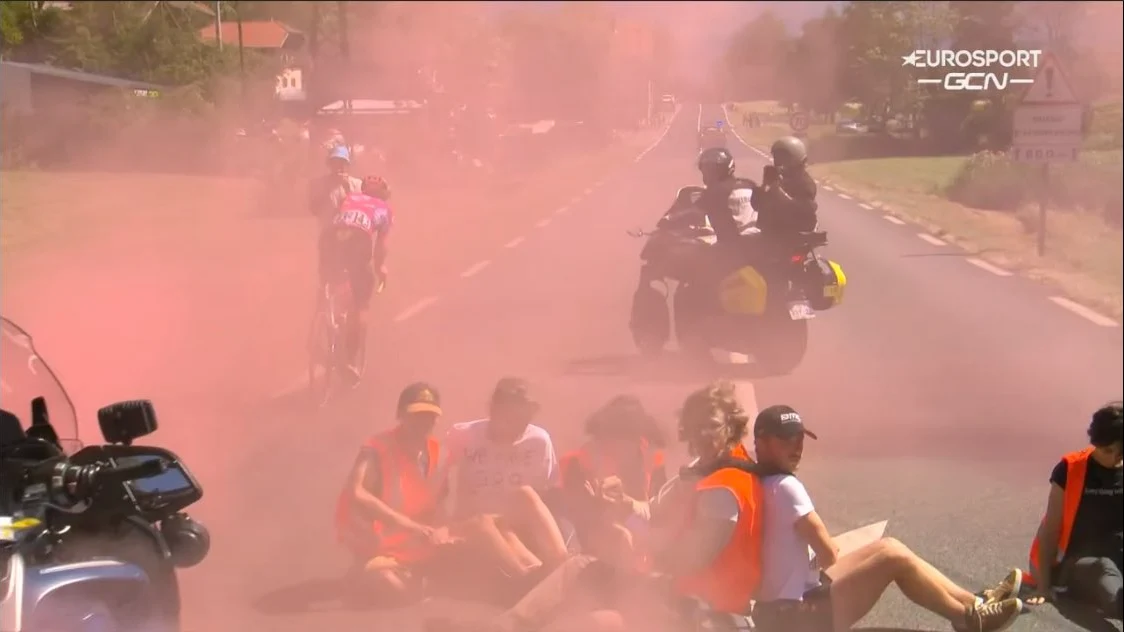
{"points": [[413, 310], [542, 222], [698, 125], [514, 242], [828, 189], [893, 220], [983, 265], [855, 539], [1084, 312], [926, 237], [663, 135], [587, 191], [731, 127], [475, 268], [560, 210], [844, 196], [577, 198], [866, 206]]}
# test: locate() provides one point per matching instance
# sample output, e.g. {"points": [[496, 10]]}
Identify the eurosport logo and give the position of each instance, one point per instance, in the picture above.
{"points": [[975, 70]]}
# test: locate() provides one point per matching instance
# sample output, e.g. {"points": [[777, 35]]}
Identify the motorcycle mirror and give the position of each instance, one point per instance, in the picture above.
{"points": [[124, 422], [41, 422]]}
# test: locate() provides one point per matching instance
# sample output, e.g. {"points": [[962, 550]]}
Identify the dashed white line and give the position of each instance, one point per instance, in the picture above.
{"points": [[930, 239], [828, 189], [542, 222], [473, 269], [1084, 312], [413, 310], [844, 196], [514, 242], [664, 134], [577, 198], [587, 191], [866, 206], [893, 220], [561, 209], [983, 265]]}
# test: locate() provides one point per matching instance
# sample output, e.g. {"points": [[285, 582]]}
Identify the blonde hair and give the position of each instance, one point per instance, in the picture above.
{"points": [[717, 402]]}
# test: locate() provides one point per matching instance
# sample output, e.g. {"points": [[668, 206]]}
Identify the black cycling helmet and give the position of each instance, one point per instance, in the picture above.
{"points": [[789, 152], [715, 164]]}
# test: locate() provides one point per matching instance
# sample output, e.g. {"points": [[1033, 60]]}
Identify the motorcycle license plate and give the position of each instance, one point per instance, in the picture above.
{"points": [[800, 311]]}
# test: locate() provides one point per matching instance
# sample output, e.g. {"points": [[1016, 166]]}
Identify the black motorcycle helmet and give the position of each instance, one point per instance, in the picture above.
{"points": [[715, 164], [789, 153]]}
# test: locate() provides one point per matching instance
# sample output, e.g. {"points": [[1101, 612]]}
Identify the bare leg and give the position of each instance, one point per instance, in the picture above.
{"points": [[859, 579], [531, 518], [513, 558]]}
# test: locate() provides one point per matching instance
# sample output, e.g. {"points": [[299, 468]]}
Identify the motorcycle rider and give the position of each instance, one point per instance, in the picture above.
{"points": [[354, 243]]}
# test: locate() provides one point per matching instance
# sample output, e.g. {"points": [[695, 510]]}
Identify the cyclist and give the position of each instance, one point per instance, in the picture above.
{"points": [[355, 244], [328, 191]]}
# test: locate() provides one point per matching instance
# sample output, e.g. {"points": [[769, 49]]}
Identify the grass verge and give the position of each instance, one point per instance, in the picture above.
{"points": [[1083, 257], [1083, 254]]}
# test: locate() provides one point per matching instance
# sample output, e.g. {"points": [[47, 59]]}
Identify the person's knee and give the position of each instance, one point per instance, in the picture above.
{"points": [[892, 552]]}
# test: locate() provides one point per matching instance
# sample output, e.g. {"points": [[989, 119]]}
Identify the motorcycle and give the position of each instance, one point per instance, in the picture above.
{"points": [[90, 538], [761, 309]]}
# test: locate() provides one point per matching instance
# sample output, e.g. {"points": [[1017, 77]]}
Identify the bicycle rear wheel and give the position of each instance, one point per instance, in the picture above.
{"points": [[321, 359]]}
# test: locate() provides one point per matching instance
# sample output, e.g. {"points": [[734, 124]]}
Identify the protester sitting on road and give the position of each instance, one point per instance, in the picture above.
{"points": [[502, 466], [711, 551], [389, 512], [608, 480], [1083, 528], [828, 592]]}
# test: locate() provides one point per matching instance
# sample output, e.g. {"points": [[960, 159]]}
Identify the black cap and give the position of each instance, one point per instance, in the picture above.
{"points": [[512, 390], [780, 421], [419, 397]]}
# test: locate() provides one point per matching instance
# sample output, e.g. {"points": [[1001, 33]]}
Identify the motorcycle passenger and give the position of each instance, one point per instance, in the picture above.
{"points": [[354, 244], [390, 513], [1081, 531], [786, 200], [607, 481]]}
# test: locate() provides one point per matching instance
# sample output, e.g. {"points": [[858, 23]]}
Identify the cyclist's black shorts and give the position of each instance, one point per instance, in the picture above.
{"points": [[348, 251]]}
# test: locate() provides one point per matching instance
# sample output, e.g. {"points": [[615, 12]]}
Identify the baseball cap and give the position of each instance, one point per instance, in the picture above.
{"points": [[512, 390], [419, 397], [780, 421]]}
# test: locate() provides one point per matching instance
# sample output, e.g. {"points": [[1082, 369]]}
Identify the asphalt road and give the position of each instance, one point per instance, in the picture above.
{"points": [[942, 393]]}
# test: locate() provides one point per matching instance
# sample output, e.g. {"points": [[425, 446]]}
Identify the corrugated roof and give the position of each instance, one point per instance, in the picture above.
{"points": [[268, 34], [78, 75]]}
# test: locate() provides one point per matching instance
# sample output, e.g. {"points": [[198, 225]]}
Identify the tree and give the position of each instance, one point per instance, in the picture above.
{"points": [[813, 69], [754, 61]]}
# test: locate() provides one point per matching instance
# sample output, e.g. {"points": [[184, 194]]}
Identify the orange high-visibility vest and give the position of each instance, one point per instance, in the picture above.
{"points": [[1077, 465], [595, 462], [731, 582], [404, 489]]}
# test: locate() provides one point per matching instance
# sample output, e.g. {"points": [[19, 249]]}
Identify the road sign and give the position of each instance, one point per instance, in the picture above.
{"points": [[798, 122], [1051, 86], [1048, 124]]}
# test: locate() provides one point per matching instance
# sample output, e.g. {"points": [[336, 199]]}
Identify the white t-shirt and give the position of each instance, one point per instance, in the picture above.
{"points": [[786, 566], [485, 472]]}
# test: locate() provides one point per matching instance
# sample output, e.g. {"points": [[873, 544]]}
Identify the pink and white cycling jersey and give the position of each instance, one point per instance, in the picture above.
{"points": [[369, 214]]}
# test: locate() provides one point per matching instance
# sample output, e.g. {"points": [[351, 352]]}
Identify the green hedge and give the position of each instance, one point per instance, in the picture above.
{"points": [[991, 181]]}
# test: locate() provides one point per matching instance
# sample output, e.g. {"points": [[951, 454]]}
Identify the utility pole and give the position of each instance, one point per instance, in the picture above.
{"points": [[218, 23], [345, 54]]}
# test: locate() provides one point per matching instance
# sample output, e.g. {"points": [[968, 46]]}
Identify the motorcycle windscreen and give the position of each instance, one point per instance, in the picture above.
{"points": [[743, 292]]}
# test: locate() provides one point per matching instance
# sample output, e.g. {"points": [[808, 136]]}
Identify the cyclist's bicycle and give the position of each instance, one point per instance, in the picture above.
{"points": [[328, 348]]}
